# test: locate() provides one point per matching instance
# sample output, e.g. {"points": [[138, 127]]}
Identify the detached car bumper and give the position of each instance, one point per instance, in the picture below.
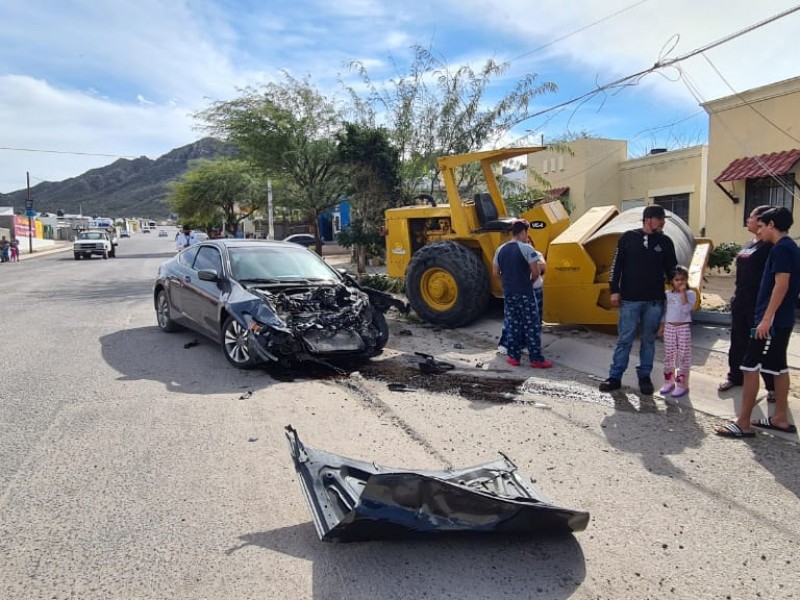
{"points": [[352, 500]]}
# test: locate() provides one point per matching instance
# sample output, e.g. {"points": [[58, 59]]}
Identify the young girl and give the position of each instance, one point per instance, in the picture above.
{"points": [[676, 328]]}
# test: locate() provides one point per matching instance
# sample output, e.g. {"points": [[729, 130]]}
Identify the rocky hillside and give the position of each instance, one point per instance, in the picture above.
{"points": [[125, 188]]}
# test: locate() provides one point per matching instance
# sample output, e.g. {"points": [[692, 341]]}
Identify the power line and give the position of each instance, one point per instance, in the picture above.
{"points": [[577, 31], [66, 152], [662, 64]]}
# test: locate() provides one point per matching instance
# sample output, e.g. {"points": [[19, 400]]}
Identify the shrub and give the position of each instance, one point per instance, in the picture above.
{"points": [[383, 283], [723, 255]]}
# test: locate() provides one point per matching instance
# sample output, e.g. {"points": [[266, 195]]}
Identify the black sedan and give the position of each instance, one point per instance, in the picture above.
{"points": [[267, 301]]}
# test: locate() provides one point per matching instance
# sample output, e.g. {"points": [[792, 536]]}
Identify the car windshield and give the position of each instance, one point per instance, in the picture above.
{"points": [[278, 264], [91, 235]]}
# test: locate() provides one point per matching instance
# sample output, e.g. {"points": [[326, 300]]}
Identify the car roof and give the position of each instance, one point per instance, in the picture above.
{"points": [[251, 243]]}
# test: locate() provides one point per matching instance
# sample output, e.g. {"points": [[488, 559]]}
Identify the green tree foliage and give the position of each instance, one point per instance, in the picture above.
{"points": [[287, 130], [723, 255], [214, 191], [435, 110], [373, 172]]}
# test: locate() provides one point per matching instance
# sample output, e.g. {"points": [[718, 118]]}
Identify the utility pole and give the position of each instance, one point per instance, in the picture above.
{"points": [[29, 213]]}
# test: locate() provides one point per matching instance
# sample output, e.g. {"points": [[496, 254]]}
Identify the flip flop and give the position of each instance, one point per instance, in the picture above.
{"points": [[766, 423], [732, 430], [726, 385]]}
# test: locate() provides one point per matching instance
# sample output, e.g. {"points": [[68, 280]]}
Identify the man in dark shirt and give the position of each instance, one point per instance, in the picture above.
{"points": [[643, 262], [774, 321]]}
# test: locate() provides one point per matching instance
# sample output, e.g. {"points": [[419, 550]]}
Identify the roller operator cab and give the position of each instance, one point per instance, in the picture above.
{"points": [[445, 251]]}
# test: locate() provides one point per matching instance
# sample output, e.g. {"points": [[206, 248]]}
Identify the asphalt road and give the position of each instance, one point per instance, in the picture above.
{"points": [[132, 466]]}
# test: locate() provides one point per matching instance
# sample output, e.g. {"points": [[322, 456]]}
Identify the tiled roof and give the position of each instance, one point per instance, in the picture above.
{"points": [[557, 192], [777, 163]]}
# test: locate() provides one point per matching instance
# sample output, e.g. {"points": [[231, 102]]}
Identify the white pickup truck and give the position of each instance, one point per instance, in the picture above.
{"points": [[92, 242]]}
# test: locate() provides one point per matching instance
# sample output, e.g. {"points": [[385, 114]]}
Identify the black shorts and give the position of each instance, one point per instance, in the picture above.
{"points": [[768, 356]]}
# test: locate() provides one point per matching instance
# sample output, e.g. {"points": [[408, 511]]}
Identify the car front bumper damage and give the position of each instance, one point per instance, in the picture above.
{"points": [[352, 500]]}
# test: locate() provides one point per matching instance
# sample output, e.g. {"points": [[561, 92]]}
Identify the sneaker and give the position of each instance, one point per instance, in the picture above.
{"points": [[680, 391], [667, 388], [502, 349], [512, 361], [610, 384], [646, 385], [541, 364]]}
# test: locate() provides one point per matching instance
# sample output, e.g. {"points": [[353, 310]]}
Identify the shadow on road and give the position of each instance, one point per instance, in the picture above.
{"points": [[463, 567], [184, 362], [652, 435]]}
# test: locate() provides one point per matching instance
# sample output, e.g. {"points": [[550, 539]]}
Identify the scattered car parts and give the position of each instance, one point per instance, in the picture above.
{"points": [[352, 500]]}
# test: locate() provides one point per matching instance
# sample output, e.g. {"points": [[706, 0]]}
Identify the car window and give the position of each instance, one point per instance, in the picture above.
{"points": [[186, 258], [278, 263], [208, 258]]}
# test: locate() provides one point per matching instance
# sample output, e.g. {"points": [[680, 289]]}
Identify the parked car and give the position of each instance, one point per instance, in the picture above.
{"points": [[303, 239], [145, 230], [124, 234], [162, 233], [267, 301]]}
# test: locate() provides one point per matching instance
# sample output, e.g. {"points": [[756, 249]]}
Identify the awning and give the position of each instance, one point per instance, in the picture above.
{"points": [[751, 167], [557, 192]]}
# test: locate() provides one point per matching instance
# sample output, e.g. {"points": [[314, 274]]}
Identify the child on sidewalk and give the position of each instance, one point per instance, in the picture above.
{"points": [[676, 328]]}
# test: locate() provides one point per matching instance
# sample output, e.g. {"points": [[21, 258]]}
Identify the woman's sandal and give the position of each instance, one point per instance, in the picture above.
{"points": [[726, 385]]}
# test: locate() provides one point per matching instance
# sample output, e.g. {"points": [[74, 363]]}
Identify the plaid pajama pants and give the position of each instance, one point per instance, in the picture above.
{"points": [[677, 347]]}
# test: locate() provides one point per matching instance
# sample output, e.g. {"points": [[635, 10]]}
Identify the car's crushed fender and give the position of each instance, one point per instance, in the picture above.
{"points": [[352, 500]]}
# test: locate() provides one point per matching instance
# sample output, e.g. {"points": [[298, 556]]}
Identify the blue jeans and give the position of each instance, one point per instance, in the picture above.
{"points": [[643, 315]]}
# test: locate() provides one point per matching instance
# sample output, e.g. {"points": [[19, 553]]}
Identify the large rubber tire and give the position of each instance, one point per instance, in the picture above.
{"points": [[235, 345], [105, 254], [165, 323], [447, 284], [379, 320]]}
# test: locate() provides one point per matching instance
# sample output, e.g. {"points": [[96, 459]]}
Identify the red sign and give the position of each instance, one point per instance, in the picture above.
{"points": [[21, 227]]}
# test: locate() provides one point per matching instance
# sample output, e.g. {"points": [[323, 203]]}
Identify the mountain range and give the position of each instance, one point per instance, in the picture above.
{"points": [[126, 188]]}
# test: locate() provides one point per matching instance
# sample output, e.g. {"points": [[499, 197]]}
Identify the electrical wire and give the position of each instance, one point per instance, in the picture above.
{"points": [[662, 64], [66, 152], [577, 31]]}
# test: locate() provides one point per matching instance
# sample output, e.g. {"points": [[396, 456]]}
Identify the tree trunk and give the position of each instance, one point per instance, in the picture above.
{"points": [[361, 259]]}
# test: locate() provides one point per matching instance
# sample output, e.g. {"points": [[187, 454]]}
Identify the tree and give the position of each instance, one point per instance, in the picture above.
{"points": [[435, 110], [287, 130], [373, 173], [213, 191]]}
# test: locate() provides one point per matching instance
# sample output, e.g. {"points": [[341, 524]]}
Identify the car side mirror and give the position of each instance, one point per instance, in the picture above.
{"points": [[208, 275]]}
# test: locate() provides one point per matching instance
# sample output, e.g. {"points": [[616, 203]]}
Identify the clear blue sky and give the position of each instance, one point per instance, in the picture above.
{"points": [[122, 78]]}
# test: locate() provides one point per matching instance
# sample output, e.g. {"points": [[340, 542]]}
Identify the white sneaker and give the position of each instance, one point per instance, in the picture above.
{"points": [[501, 349]]}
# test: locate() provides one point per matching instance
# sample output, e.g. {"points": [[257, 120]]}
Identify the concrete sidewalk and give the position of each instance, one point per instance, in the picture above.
{"points": [[44, 251], [589, 351]]}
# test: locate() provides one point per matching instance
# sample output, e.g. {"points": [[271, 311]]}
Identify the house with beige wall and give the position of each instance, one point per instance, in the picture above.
{"points": [[753, 153], [751, 159]]}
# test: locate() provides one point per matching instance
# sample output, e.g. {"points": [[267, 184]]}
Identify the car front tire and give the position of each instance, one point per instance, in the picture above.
{"points": [[236, 345], [165, 323]]}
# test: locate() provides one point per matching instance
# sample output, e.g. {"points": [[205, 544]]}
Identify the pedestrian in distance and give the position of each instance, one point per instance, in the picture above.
{"points": [[774, 320], [14, 250], [750, 262], [5, 249], [517, 265], [676, 329], [185, 238], [642, 263]]}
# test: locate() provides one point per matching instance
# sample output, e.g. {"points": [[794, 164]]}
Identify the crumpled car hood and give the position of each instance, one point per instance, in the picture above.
{"points": [[352, 500]]}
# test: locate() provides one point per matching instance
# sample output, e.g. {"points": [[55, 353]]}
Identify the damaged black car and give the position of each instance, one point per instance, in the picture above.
{"points": [[271, 302], [352, 500]]}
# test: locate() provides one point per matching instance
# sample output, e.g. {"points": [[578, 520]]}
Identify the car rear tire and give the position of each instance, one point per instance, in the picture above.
{"points": [[105, 254], [77, 256], [236, 345], [447, 284], [165, 323]]}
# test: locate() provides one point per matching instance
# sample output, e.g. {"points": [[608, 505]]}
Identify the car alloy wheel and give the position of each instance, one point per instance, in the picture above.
{"points": [[165, 323], [236, 345]]}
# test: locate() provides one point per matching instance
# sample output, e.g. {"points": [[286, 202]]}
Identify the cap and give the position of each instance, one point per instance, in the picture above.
{"points": [[654, 211]]}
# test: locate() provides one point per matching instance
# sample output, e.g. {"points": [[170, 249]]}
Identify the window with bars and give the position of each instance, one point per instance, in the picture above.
{"points": [[677, 203], [777, 190]]}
